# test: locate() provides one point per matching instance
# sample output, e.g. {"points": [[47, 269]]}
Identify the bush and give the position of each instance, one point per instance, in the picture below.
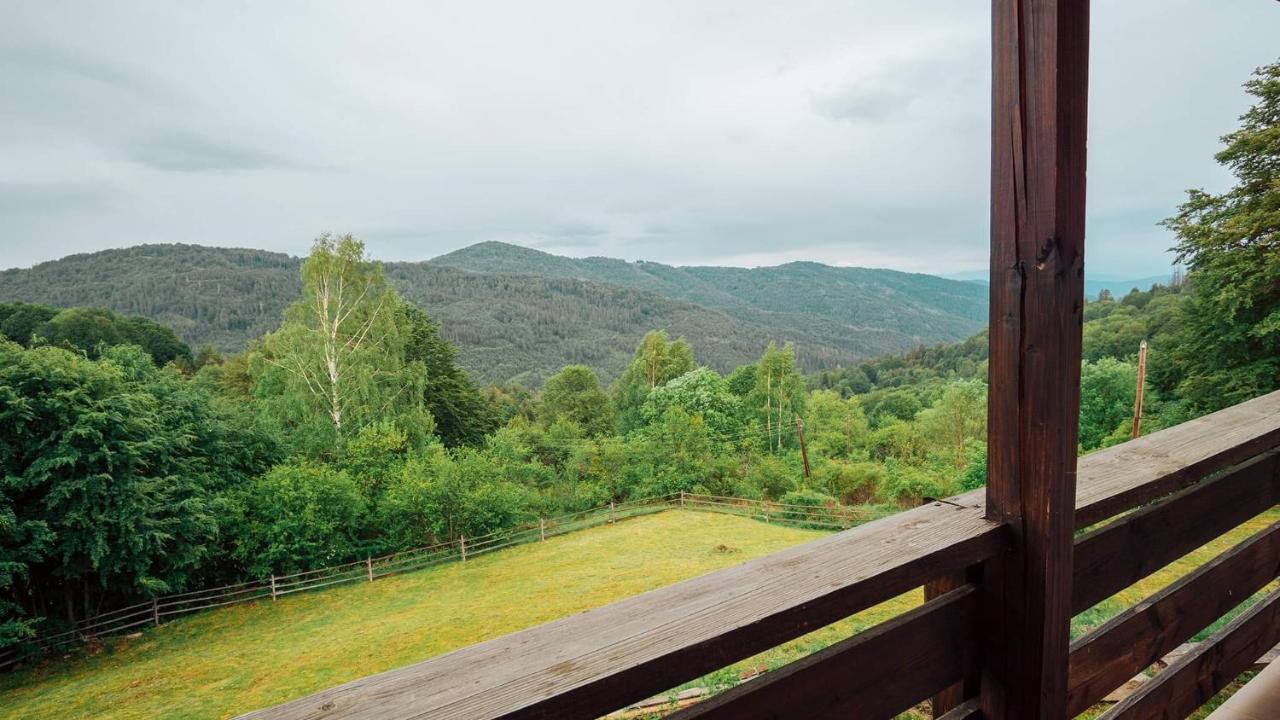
{"points": [[909, 485], [298, 517], [807, 507], [774, 476], [854, 483]]}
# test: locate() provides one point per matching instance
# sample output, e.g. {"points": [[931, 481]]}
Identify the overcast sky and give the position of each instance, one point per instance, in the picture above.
{"points": [[742, 133]]}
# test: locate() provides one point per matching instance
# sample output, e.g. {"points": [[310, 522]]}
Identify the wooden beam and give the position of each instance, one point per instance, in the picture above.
{"points": [[1114, 557], [873, 675], [954, 695], [1194, 678], [1039, 98], [1105, 658]]}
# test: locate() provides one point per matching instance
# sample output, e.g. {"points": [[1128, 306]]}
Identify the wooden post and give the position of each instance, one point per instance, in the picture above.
{"points": [[273, 588], [368, 564], [610, 511], [155, 611], [804, 451], [542, 528], [1040, 61], [681, 498], [462, 543], [1137, 399]]}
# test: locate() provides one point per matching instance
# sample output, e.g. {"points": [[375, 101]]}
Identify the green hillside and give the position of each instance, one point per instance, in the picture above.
{"points": [[521, 315]]}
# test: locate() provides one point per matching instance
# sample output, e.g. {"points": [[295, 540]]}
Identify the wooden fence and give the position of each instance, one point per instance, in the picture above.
{"points": [[163, 608]]}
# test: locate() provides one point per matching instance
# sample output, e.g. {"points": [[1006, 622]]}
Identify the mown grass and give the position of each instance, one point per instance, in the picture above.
{"points": [[229, 661]]}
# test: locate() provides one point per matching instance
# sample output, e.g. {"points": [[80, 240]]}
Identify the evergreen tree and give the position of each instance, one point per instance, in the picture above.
{"points": [[1230, 350]]}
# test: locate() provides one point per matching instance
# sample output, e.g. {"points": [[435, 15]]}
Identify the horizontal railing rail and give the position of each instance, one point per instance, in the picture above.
{"points": [[1164, 495]]}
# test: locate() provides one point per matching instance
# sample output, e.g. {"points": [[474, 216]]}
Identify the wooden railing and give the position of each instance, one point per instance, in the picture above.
{"points": [[1139, 506]]}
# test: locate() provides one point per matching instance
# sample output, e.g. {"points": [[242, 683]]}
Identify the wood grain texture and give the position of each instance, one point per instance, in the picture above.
{"points": [[588, 664], [1040, 68], [1108, 656], [872, 675], [954, 695], [1116, 556], [1196, 677]]}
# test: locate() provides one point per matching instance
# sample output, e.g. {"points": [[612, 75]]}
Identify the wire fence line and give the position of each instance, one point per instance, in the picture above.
{"points": [[160, 609]]}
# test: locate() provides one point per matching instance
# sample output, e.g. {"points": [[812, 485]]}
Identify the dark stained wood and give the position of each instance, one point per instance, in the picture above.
{"points": [[1111, 654], [1113, 557], [873, 675], [1197, 676], [588, 664], [952, 697], [1040, 61], [1122, 477], [968, 710]]}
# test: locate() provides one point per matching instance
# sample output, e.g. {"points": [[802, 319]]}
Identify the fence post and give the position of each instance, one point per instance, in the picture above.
{"points": [[462, 543], [273, 588], [155, 610], [681, 498], [368, 563], [610, 511], [542, 528]]}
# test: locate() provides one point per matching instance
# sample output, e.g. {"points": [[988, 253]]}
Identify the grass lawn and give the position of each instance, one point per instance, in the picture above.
{"points": [[229, 661]]}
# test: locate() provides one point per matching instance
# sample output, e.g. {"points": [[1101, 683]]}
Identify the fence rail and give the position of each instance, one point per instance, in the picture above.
{"points": [[163, 608]]}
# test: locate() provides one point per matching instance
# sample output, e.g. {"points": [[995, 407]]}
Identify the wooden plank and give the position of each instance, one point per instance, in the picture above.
{"points": [[1197, 676], [1126, 475], [1110, 655], [968, 710], [588, 664], [873, 675], [954, 695], [1040, 66], [1113, 557]]}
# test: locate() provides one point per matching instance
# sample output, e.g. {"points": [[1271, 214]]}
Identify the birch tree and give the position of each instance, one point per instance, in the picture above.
{"points": [[338, 362]]}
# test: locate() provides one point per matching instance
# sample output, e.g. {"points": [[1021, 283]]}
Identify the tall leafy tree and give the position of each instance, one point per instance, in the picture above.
{"points": [[1230, 350], [574, 394], [338, 362], [778, 395], [656, 362]]}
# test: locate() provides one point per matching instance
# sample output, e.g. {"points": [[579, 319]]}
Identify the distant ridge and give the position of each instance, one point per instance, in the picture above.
{"points": [[520, 314]]}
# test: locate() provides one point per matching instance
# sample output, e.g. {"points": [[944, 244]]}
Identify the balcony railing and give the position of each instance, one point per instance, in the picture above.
{"points": [[1139, 506]]}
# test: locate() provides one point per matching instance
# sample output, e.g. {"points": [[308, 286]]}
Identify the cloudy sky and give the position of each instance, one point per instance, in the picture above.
{"points": [[744, 133]]}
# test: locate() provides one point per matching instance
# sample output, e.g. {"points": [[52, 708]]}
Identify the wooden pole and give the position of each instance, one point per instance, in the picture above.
{"points": [[610, 511], [1137, 399], [804, 451], [1040, 58], [462, 543], [155, 611], [368, 564], [273, 588], [542, 528]]}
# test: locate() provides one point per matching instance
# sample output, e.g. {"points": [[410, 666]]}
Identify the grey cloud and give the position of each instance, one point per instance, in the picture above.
{"points": [[179, 152], [864, 104], [35, 198], [725, 131]]}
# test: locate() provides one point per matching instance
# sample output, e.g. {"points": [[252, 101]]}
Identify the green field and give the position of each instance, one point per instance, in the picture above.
{"points": [[229, 661]]}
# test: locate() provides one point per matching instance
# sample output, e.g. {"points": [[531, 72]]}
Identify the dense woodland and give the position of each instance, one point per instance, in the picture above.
{"points": [[133, 466]]}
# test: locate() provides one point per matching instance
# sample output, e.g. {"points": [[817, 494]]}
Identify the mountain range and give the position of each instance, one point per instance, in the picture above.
{"points": [[519, 314]]}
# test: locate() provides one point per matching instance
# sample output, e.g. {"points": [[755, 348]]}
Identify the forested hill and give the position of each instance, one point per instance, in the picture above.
{"points": [[908, 303], [520, 314]]}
